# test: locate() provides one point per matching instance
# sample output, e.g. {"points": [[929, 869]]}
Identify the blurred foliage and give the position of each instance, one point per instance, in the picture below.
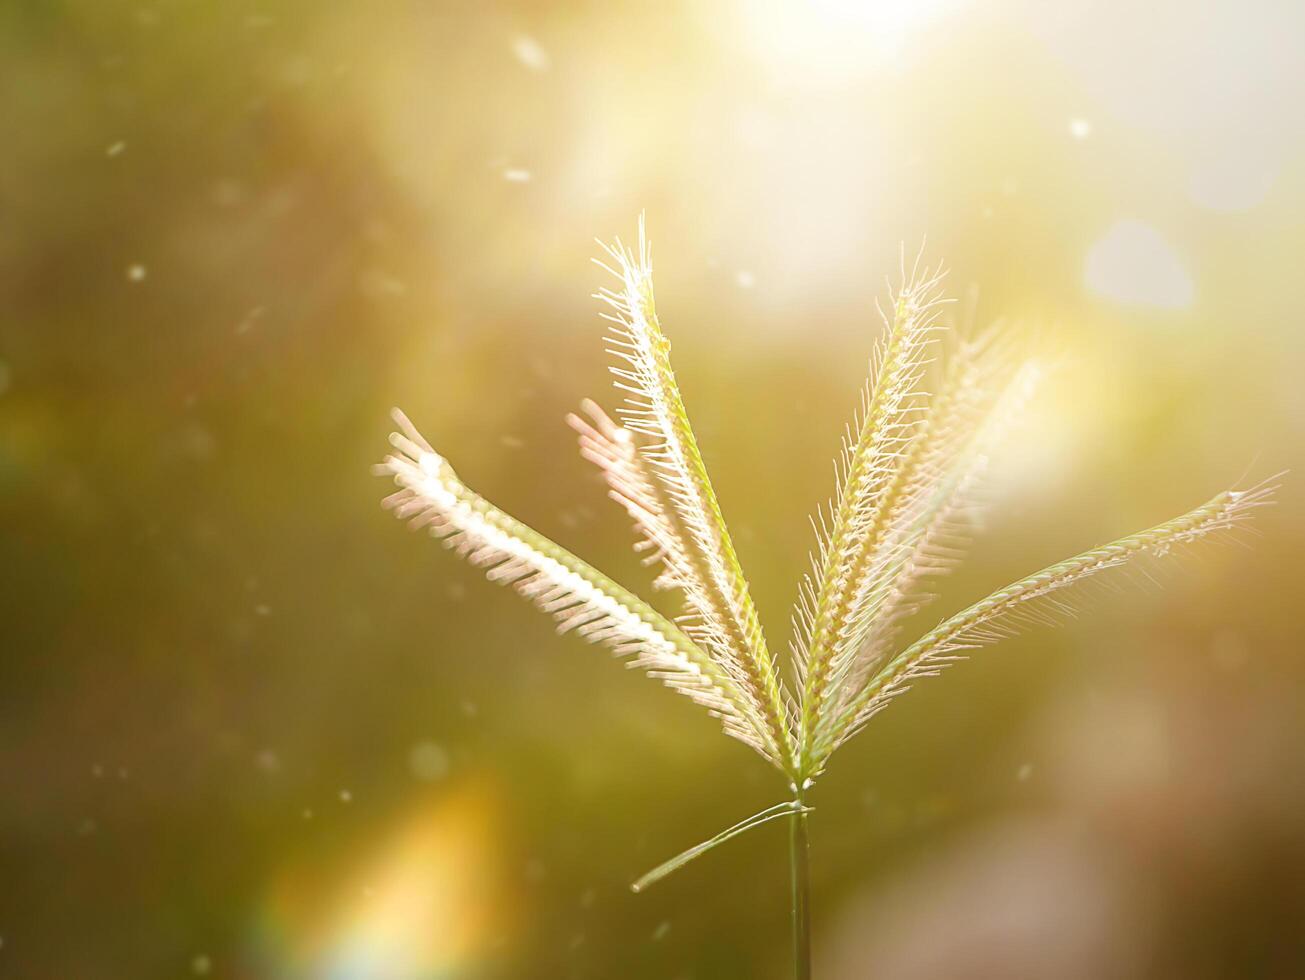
{"points": [[231, 235]]}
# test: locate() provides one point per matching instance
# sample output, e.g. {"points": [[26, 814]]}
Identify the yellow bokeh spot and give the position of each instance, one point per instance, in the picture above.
{"points": [[425, 901]]}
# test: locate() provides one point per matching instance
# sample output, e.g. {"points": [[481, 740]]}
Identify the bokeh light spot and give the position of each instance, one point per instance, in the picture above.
{"points": [[1132, 263], [428, 761], [1231, 182], [422, 902]]}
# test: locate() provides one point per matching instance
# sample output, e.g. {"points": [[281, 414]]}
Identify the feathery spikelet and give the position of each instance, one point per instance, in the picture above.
{"points": [[1037, 599], [978, 401], [700, 556], [578, 596], [924, 526], [612, 449], [837, 609]]}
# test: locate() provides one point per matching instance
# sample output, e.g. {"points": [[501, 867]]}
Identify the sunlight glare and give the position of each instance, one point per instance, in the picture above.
{"points": [[830, 41]]}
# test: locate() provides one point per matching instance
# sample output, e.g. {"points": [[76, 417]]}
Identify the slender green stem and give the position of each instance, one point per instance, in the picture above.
{"points": [[680, 860], [800, 867]]}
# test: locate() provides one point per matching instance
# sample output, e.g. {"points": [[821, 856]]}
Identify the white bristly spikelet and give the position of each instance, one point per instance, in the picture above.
{"points": [[926, 534], [690, 530], [579, 597], [838, 604], [1045, 597]]}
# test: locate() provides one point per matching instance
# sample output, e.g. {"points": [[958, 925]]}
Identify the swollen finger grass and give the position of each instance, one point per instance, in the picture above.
{"points": [[904, 504]]}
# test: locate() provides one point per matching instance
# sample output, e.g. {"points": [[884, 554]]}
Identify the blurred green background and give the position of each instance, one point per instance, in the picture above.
{"points": [[250, 728]]}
